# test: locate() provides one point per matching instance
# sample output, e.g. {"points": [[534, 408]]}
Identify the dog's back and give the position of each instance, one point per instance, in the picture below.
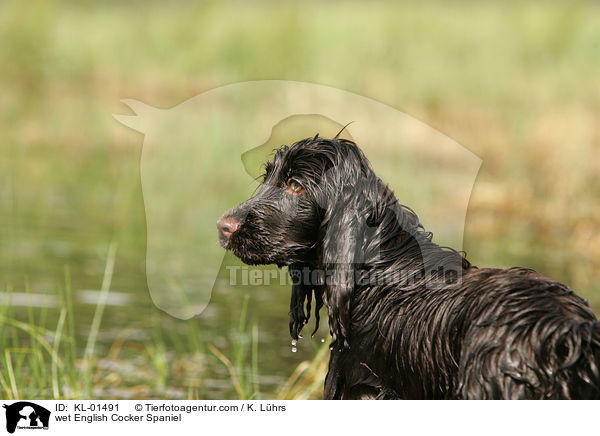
{"points": [[499, 334], [529, 337]]}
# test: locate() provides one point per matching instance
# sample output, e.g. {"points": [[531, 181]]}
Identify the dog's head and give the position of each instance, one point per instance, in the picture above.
{"points": [[322, 205], [306, 188]]}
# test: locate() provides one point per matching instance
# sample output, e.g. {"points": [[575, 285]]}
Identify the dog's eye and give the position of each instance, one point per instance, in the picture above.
{"points": [[295, 187]]}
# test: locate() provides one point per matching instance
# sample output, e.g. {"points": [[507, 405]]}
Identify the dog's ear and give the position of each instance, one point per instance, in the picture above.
{"points": [[339, 255], [348, 238], [302, 292]]}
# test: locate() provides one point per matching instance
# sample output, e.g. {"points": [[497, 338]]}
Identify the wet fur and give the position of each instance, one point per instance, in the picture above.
{"points": [[406, 333]]}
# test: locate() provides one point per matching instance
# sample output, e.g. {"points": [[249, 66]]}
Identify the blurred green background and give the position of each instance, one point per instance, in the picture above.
{"points": [[517, 83]]}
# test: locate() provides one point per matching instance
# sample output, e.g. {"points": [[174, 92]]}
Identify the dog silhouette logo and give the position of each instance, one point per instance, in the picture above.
{"points": [[190, 171], [26, 415]]}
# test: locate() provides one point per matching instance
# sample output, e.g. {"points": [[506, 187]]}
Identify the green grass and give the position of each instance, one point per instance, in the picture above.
{"points": [[39, 361], [517, 83]]}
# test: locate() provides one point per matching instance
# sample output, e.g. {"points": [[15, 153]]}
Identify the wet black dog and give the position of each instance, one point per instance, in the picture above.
{"points": [[408, 318]]}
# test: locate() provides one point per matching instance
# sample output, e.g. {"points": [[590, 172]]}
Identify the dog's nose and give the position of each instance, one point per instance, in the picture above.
{"points": [[227, 226]]}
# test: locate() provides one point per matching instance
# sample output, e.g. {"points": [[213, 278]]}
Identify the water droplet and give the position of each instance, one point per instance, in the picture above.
{"points": [[322, 340], [294, 349], [294, 342]]}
